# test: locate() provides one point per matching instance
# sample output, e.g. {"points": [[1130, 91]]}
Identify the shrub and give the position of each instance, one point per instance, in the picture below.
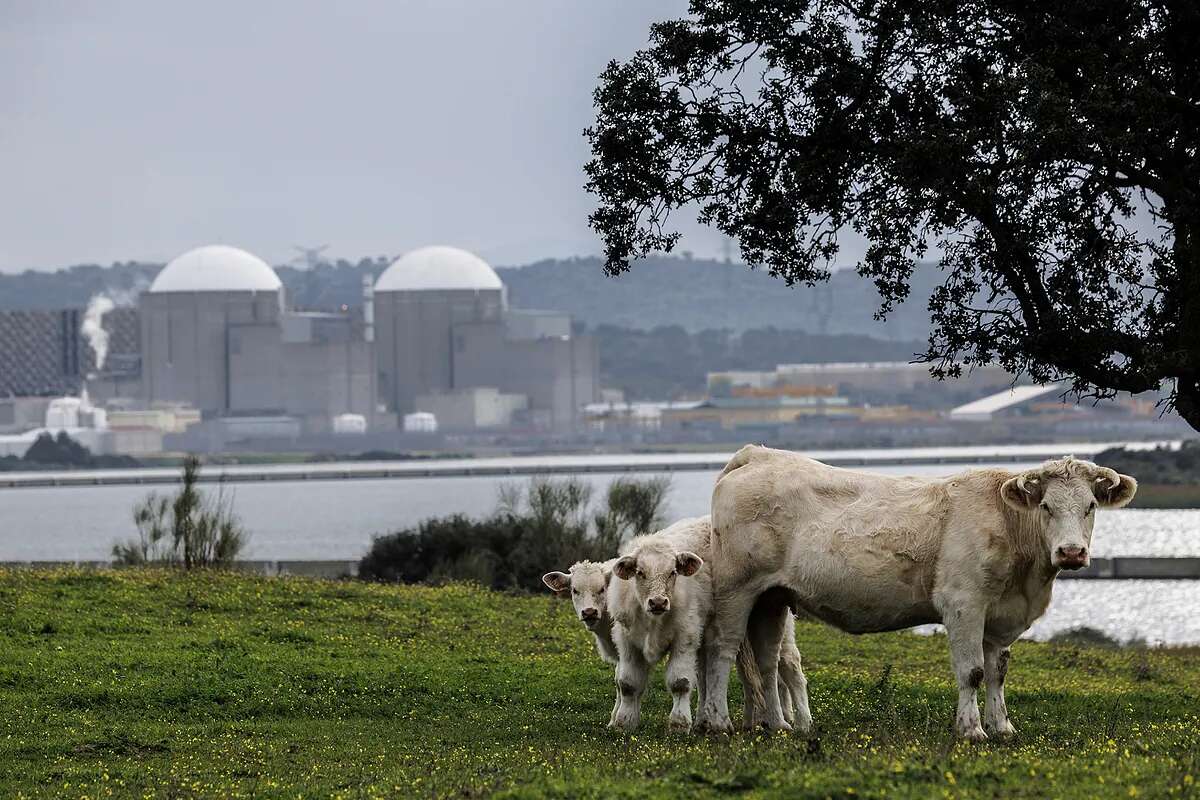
{"points": [[54, 452], [188, 530], [535, 529], [58, 450], [1160, 465]]}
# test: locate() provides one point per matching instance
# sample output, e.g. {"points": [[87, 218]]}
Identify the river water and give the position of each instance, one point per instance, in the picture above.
{"points": [[336, 520]]}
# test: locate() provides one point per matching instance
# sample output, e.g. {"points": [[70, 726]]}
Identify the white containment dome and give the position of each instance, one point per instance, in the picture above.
{"points": [[216, 268], [437, 269]]}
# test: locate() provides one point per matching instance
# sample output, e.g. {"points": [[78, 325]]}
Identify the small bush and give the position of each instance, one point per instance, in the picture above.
{"points": [[1160, 465], [188, 530], [56, 452], [535, 529]]}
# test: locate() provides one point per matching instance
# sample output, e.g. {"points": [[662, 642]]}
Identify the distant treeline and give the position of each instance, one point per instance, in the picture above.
{"points": [[49, 452], [1167, 478], [694, 294], [666, 362], [1160, 465]]}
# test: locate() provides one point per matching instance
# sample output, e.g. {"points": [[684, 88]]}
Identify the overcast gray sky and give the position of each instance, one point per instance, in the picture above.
{"points": [[136, 130]]}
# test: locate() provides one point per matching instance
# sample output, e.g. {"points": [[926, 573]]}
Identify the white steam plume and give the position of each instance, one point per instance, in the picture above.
{"points": [[93, 326]]}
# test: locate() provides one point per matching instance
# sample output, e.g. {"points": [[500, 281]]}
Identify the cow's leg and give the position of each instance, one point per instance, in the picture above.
{"points": [[995, 668], [792, 673], [785, 698], [681, 679], [701, 671], [752, 711], [612, 717], [722, 638], [632, 672], [765, 631], [964, 628]]}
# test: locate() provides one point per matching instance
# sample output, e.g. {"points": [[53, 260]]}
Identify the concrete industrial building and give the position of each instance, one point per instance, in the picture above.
{"points": [[214, 332], [444, 328]]}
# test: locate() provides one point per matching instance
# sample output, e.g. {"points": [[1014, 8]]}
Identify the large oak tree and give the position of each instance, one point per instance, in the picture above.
{"points": [[1045, 152]]}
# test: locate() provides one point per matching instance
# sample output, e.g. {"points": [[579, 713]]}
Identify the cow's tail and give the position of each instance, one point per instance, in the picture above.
{"points": [[756, 700], [739, 459]]}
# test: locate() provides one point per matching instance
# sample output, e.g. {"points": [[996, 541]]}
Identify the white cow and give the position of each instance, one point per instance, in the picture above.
{"points": [[977, 552], [586, 583]]}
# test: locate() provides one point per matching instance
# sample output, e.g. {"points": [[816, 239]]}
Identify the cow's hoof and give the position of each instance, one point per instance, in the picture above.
{"points": [[778, 725], [679, 725], [714, 725], [1002, 728], [975, 734], [621, 723]]}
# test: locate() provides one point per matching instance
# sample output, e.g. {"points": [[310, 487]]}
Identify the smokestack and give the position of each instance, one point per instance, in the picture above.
{"points": [[368, 309]]}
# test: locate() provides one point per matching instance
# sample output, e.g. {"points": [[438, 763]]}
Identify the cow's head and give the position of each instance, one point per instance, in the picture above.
{"points": [[653, 569], [586, 584], [1064, 494]]}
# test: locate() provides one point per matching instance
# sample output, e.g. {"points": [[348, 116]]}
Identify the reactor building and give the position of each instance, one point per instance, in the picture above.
{"points": [[447, 343], [215, 332]]}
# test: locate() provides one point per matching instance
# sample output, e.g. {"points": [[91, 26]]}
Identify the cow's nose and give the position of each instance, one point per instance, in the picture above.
{"points": [[1072, 556], [589, 615], [658, 605]]}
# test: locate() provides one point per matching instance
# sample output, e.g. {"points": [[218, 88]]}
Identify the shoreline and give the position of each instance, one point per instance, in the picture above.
{"points": [[554, 464]]}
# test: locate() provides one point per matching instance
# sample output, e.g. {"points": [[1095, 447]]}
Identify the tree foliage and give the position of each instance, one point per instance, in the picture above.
{"points": [[60, 450], [1048, 151]]}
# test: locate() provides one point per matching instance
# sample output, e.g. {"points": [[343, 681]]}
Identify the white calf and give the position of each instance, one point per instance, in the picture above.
{"points": [[660, 605], [586, 583]]}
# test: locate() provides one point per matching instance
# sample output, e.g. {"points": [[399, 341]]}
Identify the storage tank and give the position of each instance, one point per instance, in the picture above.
{"points": [[420, 422], [63, 412], [349, 423]]}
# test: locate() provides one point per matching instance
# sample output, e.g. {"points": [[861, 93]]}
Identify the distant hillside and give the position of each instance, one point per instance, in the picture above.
{"points": [[71, 287], [700, 294], [328, 286], [694, 294]]}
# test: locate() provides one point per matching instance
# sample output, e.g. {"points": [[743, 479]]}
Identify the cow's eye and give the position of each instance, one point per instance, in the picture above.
{"points": [[1042, 505], [641, 574], [574, 591], [1092, 507]]}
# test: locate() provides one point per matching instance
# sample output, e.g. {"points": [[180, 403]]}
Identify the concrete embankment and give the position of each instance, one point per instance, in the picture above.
{"points": [[1124, 568]]}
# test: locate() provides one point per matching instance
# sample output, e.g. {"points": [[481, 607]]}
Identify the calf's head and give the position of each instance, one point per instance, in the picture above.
{"points": [[1064, 495], [653, 570], [586, 584]]}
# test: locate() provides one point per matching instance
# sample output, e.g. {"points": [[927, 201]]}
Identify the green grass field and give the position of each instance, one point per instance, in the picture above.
{"points": [[132, 684]]}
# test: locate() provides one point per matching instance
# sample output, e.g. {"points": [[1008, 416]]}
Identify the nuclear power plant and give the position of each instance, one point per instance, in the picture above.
{"points": [[434, 345]]}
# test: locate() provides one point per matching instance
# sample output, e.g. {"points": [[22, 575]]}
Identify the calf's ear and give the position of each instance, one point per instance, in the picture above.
{"points": [[1023, 492], [625, 567], [688, 563], [1113, 490], [559, 582]]}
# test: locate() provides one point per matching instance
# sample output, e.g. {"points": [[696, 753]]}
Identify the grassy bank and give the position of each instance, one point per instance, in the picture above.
{"points": [[151, 683]]}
